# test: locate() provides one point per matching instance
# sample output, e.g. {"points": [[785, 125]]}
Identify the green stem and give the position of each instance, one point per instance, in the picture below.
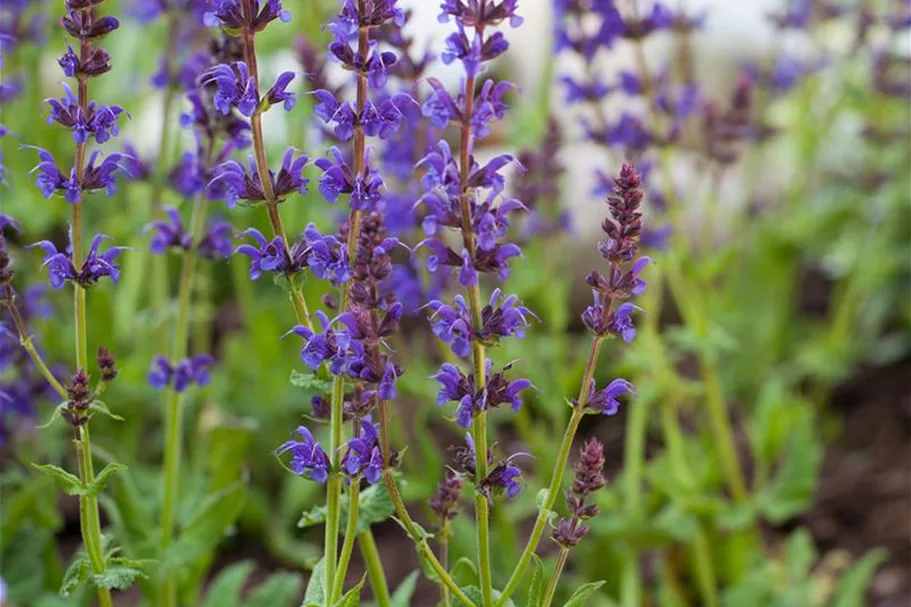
{"points": [[479, 426], [374, 565], [354, 496], [553, 490], [25, 340], [173, 412], [420, 541], [444, 560], [89, 521], [555, 577], [723, 431], [265, 180], [333, 489]]}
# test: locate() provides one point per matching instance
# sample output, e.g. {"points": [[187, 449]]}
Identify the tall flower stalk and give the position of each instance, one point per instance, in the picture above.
{"points": [[77, 265], [609, 316]]}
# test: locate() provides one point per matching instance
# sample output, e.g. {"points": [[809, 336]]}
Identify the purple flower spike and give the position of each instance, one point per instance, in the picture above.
{"points": [[363, 456], [235, 87], [168, 233], [279, 94], [606, 400], [307, 456], [101, 177], [187, 372], [231, 16], [339, 179], [239, 184], [95, 266], [265, 255], [461, 388]]}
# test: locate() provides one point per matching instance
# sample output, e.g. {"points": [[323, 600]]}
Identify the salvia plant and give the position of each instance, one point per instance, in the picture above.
{"points": [[298, 293]]}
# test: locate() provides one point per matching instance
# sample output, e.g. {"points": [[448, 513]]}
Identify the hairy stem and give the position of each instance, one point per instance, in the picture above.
{"points": [[555, 577], [374, 564], [354, 494], [25, 340], [89, 520], [479, 429], [420, 541], [553, 490], [444, 561], [265, 179], [333, 499]]}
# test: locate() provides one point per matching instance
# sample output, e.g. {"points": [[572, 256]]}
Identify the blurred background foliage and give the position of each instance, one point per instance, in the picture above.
{"points": [[802, 290]]}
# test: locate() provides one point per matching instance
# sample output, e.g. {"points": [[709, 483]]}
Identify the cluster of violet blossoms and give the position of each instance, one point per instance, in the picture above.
{"points": [[464, 195], [353, 344], [84, 118]]}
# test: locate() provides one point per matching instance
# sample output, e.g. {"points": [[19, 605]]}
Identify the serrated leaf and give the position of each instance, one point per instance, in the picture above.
{"points": [[316, 593], [69, 483], [101, 480], [536, 588], [225, 589], [205, 529], [352, 598], [464, 572], [402, 595], [309, 381], [375, 506], [77, 573], [96, 406], [118, 577], [279, 590], [582, 593], [853, 585]]}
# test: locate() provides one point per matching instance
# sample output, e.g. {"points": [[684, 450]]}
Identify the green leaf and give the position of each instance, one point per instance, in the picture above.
{"points": [[69, 483], [97, 406], [316, 594], [473, 593], [536, 588], [309, 381], [465, 573], [677, 523], [853, 585], [314, 516], [225, 589], [800, 554], [205, 529], [582, 593], [375, 506], [101, 480], [402, 595], [352, 598], [117, 577], [279, 590], [429, 572], [78, 572]]}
